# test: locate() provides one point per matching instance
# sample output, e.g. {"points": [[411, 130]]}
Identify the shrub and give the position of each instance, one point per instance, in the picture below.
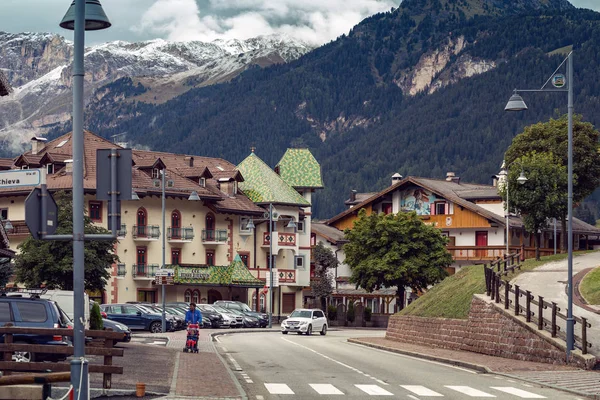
{"points": [[350, 312], [96, 318], [331, 312], [367, 314]]}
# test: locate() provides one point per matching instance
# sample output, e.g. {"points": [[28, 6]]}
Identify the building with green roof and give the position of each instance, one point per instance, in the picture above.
{"points": [[299, 169]]}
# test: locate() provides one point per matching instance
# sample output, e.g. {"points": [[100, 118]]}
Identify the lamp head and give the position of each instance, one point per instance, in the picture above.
{"points": [[515, 103], [7, 225], [194, 196], [522, 178], [291, 224], [95, 18], [250, 225]]}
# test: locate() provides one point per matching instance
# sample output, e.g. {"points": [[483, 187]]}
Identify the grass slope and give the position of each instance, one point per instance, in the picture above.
{"points": [[590, 287], [451, 298]]}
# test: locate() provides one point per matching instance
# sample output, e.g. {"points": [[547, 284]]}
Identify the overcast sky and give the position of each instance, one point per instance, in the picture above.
{"points": [[314, 21]]}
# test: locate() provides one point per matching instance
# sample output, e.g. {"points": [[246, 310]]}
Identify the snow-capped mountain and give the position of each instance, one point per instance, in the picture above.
{"points": [[37, 66]]}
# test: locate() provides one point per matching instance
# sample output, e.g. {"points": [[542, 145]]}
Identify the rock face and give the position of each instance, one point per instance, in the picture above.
{"points": [[37, 66]]}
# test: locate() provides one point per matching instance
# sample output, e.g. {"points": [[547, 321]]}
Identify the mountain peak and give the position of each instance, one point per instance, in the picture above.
{"points": [[470, 8]]}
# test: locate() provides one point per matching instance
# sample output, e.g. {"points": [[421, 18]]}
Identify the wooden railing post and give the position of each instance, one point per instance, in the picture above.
{"points": [[8, 339], [584, 335], [498, 280], [488, 288], [506, 295], [528, 306], [553, 319], [540, 313], [106, 378], [517, 295]]}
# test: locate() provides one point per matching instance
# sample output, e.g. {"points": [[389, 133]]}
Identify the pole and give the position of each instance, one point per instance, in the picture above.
{"points": [[164, 232], [507, 218], [570, 321], [79, 365], [271, 265], [554, 235]]}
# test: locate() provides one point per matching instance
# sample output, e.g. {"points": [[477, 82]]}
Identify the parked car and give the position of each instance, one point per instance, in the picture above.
{"points": [[304, 320], [28, 310], [243, 307], [214, 318], [117, 327], [135, 317], [229, 320], [206, 323], [177, 321], [64, 298], [248, 320]]}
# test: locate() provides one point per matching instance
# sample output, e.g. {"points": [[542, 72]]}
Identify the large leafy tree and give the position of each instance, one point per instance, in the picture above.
{"points": [[395, 250], [540, 198], [552, 137], [50, 262], [325, 261], [6, 271]]}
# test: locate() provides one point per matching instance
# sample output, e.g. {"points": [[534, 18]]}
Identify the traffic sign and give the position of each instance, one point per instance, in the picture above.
{"points": [[20, 177], [123, 174], [33, 214], [164, 276], [275, 278]]}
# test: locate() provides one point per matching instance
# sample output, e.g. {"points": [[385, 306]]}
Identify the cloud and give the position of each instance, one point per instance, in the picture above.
{"points": [[313, 21]]}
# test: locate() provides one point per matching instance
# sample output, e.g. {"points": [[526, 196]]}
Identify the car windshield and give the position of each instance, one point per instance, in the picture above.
{"points": [[222, 310], [245, 307], [146, 309], [301, 314], [63, 318]]}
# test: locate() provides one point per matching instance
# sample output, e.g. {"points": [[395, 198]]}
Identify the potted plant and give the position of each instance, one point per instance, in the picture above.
{"points": [[350, 313]]}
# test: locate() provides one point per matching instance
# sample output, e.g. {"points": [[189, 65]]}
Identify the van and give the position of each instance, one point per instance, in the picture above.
{"points": [[64, 298]]}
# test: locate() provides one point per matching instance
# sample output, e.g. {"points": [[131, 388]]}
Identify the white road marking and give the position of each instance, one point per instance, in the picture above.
{"points": [[325, 388], [469, 391], [235, 364], [158, 342], [337, 362], [374, 390], [520, 393], [421, 390], [410, 396], [278, 388], [259, 397], [216, 339]]}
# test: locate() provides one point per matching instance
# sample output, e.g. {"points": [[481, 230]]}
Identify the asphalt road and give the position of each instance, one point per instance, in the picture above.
{"points": [[274, 366]]}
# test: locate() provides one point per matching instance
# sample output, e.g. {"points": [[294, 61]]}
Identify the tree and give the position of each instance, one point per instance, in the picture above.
{"points": [[96, 318], [552, 137], [51, 262], [6, 271], [395, 250], [540, 198], [325, 261]]}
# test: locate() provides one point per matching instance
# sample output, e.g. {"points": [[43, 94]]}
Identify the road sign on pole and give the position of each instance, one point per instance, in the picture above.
{"points": [[33, 214], [20, 177]]}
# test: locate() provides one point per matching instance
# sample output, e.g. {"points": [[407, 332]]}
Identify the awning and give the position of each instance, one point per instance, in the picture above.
{"points": [[236, 275]]}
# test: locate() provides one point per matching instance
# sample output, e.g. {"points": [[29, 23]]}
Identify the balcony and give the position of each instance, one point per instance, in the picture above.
{"points": [[283, 239], [217, 236], [146, 233], [121, 270], [180, 235], [144, 271], [19, 229], [123, 231], [287, 275]]}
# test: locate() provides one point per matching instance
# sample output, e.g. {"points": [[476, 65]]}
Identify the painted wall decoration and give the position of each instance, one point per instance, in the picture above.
{"points": [[417, 199]]}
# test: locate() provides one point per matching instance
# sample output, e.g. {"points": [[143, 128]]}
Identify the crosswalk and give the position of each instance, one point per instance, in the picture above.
{"points": [[418, 390]]}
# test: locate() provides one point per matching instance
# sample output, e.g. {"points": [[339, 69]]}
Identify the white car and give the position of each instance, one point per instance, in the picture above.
{"points": [[304, 320]]}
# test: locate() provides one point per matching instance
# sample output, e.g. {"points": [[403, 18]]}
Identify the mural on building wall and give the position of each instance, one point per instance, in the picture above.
{"points": [[417, 199]]}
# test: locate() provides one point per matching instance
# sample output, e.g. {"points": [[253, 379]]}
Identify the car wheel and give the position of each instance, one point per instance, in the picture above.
{"points": [[299, 333], [324, 330], [23, 356], [284, 332], [309, 330], [156, 327]]}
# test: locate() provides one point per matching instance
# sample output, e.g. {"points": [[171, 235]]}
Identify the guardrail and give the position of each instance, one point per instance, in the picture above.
{"points": [[501, 291], [7, 366]]}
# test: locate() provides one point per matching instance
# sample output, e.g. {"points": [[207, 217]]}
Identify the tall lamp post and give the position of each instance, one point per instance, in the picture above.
{"points": [[521, 180], [82, 15], [516, 103]]}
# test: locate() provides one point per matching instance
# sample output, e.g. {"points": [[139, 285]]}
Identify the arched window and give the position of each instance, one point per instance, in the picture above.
{"points": [[176, 224], [210, 227], [196, 296], [187, 296], [262, 303], [142, 221]]}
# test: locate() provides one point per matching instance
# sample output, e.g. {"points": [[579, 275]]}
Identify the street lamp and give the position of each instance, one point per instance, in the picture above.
{"points": [[516, 103], [82, 15], [521, 180]]}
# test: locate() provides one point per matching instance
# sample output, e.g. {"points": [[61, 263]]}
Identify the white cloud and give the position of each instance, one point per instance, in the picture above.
{"points": [[313, 21]]}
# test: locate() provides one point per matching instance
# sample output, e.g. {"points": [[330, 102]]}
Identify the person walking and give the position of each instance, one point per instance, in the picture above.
{"points": [[193, 315]]}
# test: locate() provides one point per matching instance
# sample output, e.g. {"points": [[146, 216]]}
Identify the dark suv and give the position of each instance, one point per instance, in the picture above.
{"points": [[135, 317], [263, 319], [32, 312]]}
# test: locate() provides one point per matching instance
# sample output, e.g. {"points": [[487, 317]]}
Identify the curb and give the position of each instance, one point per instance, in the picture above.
{"points": [[473, 366]]}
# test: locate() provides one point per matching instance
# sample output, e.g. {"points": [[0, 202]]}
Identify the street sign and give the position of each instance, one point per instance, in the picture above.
{"points": [[275, 278], [20, 177], [123, 174], [34, 217], [164, 276]]}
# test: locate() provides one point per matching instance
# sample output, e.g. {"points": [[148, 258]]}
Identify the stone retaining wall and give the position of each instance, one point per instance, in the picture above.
{"points": [[488, 330]]}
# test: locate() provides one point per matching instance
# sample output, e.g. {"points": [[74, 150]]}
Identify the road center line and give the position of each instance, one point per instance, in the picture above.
{"points": [[337, 362]]}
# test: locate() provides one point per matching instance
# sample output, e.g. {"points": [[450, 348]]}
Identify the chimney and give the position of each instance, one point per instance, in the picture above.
{"points": [[189, 160], [37, 144], [451, 177], [69, 166], [396, 178], [353, 195]]}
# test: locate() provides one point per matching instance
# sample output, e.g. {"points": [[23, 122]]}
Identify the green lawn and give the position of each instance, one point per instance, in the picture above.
{"points": [[451, 298], [590, 287]]}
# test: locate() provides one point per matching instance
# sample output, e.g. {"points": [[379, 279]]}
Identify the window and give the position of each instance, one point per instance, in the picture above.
{"points": [[196, 296], [300, 227], [155, 173], [61, 144], [25, 167], [5, 312], [141, 256], [32, 312], [96, 211], [234, 188], [50, 168], [319, 314], [245, 258], [4, 213], [386, 208], [244, 225], [175, 256], [210, 257], [202, 182], [130, 310], [141, 222], [187, 296], [299, 262]]}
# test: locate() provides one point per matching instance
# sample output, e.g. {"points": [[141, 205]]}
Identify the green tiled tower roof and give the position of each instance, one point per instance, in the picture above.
{"points": [[262, 185], [299, 169]]}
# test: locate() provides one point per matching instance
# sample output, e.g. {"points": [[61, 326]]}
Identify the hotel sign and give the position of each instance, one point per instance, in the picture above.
{"points": [[192, 274]]}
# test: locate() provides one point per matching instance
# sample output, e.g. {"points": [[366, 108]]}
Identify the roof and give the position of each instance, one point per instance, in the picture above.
{"points": [[299, 169], [6, 163], [262, 185], [358, 198], [234, 274], [330, 233]]}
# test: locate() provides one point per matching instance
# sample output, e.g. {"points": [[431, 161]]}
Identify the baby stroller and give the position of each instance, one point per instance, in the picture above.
{"points": [[191, 342]]}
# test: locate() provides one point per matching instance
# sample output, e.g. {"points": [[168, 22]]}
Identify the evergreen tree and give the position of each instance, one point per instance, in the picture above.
{"points": [[325, 261]]}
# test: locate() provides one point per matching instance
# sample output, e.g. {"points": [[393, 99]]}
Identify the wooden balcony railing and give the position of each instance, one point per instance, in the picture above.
{"points": [[490, 253], [283, 238]]}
